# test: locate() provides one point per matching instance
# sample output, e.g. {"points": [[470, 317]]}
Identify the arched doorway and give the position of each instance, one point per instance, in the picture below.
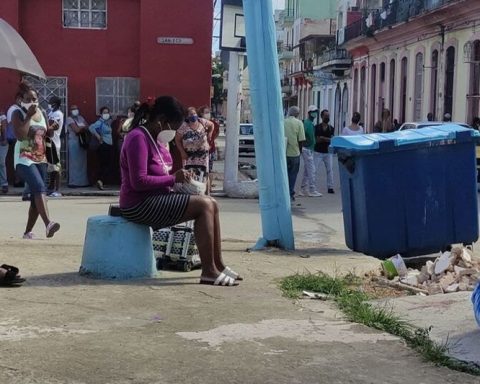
{"points": [[473, 98], [449, 77], [344, 106], [403, 90], [338, 109]]}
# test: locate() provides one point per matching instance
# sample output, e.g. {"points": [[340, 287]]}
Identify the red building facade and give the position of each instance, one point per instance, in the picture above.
{"points": [[112, 52]]}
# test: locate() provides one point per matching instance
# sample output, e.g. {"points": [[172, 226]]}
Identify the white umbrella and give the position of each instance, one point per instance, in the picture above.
{"points": [[15, 53]]}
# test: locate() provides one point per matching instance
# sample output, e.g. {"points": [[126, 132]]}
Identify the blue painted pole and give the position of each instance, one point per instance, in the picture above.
{"points": [[269, 134]]}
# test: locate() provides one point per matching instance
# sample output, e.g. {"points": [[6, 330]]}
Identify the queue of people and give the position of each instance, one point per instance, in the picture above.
{"points": [[146, 194], [310, 142]]}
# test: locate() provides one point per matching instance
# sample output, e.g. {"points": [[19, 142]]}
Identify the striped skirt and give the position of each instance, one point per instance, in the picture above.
{"points": [[158, 211]]}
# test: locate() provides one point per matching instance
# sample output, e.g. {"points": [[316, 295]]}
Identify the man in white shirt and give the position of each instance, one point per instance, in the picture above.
{"points": [[55, 117]]}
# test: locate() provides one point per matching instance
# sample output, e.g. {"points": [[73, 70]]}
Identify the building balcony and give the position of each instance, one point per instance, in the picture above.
{"points": [[286, 18], [285, 53], [354, 30], [335, 61], [395, 12], [287, 89]]}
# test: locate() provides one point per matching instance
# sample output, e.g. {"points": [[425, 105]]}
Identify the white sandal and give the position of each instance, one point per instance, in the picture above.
{"points": [[223, 279], [230, 272]]}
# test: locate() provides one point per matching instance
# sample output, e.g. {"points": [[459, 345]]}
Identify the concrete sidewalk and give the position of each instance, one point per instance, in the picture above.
{"points": [[63, 328]]}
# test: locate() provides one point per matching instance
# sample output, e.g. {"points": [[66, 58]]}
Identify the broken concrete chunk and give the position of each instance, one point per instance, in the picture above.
{"points": [[423, 278], [410, 279], [442, 263], [430, 267], [435, 288], [447, 280], [467, 272], [452, 288], [466, 256]]}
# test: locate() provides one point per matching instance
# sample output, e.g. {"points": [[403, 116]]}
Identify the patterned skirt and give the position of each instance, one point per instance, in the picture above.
{"points": [[158, 211]]}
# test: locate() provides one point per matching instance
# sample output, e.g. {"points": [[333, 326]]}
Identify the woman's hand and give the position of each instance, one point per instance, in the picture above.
{"points": [[182, 176], [31, 111]]}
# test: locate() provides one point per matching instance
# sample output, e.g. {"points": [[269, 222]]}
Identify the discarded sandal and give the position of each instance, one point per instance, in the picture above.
{"points": [[52, 227], [10, 278], [10, 268], [223, 280], [230, 272]]}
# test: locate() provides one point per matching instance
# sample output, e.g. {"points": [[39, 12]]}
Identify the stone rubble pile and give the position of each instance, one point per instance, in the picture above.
{"points": [[452, 271]]}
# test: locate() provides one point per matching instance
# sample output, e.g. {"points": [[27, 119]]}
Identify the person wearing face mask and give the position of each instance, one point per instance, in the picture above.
{"points": [[55, 116], [77, 133], [31, 128], [308, 186], [354, 128], [205, 113], [323, 135], [101, 131], [192, 140], [146, 195]]}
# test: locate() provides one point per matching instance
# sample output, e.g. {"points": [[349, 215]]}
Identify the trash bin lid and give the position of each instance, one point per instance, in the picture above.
{"points": [[422, 137]]}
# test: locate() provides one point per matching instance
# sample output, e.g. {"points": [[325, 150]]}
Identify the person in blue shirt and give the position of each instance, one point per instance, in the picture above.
{"points": [[101, 132]]}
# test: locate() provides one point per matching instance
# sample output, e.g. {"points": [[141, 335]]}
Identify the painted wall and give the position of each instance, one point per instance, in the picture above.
{"points": [[127, 48], [315, 9], [406, 41]]}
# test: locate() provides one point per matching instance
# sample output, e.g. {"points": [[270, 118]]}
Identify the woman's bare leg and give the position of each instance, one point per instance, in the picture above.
{"points": [[217, 239], [32, 217], [42, 208], [202, 210]]}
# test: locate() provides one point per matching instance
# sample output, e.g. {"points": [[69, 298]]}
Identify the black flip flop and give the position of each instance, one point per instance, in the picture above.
{"points": [[10, 279]]}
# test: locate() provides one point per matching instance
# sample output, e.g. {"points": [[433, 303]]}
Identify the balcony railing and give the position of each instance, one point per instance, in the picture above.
{"points": [[286, 18], [335, 55], [356, 29], [285, 52], [396, 12]]}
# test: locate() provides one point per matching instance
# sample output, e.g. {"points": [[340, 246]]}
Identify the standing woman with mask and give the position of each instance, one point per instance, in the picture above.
{"points": [[31, 127], [77, 128], [102, 132], [192, 141]]}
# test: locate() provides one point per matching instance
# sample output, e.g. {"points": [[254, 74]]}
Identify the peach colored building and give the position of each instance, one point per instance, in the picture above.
{"points": [[414, 58]]}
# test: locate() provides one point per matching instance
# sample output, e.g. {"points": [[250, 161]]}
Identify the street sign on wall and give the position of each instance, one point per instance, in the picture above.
{"points": [[174, 40]]}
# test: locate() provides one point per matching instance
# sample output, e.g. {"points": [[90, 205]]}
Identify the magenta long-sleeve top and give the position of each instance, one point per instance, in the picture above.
{"points": [[143, 172]]}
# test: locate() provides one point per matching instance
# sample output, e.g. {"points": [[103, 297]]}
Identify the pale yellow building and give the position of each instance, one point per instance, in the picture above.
{"points": [[414, 58]]}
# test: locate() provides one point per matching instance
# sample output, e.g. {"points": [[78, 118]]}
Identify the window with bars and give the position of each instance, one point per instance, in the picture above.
{"points": [[88, 14], [116, 93]]}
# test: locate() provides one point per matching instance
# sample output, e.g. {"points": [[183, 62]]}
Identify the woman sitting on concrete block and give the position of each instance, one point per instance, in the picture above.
{"points": [[146, 195]]}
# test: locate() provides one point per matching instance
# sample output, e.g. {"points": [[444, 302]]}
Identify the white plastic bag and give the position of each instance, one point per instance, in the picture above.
{"points": [[193, 187]]}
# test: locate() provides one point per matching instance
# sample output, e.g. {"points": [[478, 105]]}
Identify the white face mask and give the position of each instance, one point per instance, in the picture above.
{"points": [[106, 116], [166, 136], [207, 115], [75, 112], [28, 105]]}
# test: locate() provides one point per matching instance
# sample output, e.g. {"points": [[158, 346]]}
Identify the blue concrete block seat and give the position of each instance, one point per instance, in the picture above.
{"points": [[116, 248]]}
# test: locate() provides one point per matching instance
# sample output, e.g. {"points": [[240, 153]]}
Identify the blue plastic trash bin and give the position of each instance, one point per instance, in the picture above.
{"points": [[410, 192]]}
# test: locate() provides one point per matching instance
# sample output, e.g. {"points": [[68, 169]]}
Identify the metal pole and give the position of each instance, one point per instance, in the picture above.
{"points": [[233, 120], [269, 133]]}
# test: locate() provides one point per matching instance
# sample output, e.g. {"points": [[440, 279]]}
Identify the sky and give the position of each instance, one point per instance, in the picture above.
{"points": [[276, 4]]}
